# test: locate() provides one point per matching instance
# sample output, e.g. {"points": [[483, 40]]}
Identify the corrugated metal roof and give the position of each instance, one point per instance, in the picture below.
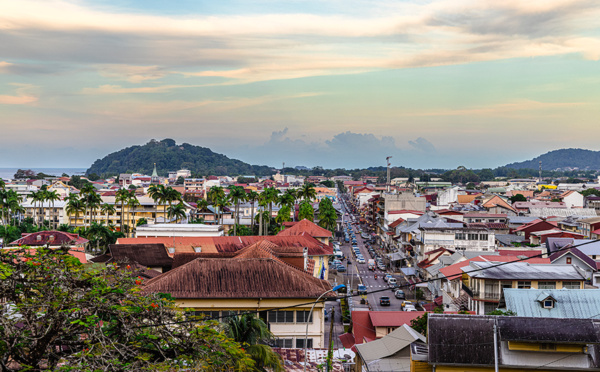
{"points": [[570, 303], [560, 212], [389, 345], [522, 270]]}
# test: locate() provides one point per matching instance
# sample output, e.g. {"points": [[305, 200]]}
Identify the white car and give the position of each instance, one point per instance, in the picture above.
{"points": [[360, 260], [410, 308]]}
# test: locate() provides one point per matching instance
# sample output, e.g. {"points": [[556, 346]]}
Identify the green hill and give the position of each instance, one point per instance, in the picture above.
{"points": [[170, 156], [562, 159]]}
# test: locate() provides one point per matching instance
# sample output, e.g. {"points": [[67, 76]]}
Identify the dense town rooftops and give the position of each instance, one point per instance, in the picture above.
{"points": [[521, 270], [307, 227]]}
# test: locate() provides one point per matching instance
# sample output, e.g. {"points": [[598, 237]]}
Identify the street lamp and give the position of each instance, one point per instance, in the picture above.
{"points": [[334, 289]]}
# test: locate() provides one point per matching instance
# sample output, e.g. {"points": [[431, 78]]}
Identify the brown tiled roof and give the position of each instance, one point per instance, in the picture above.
{"points": [[237, 278], [497, 201], [221, 244], [466, 199], [306, 226], [144, 254], [54, 238]]}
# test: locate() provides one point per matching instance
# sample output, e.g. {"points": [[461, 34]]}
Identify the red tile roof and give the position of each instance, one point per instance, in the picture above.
{"points": [[511, 252], [347, 340], [393, 318], [233, 243], [54, 238], [396, 223], [306, 226], [405, 211]]}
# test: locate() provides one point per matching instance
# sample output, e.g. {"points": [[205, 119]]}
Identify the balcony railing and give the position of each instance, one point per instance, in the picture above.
{"points": [[468, 290]]}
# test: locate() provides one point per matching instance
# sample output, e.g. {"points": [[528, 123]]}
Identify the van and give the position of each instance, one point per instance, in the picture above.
{"points": [[371, 264]]}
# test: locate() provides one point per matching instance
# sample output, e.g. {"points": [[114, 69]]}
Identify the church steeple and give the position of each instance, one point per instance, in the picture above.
{"points": [[155, 180]]}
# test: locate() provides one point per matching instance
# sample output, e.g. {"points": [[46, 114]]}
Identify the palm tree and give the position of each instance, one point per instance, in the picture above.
{"points": [[327, 215], [254, 335], [172, 195], [271, 196], [132, 203], [37, 197], [74, 206], [262, 203], [215, 193], [92, 201], [221, 203], [291, 196], [107, 209], [86, 190], [252, 197], [307, 192], [52, 196], [177, 211], [159, 194], [237, 195], [121, 196]]}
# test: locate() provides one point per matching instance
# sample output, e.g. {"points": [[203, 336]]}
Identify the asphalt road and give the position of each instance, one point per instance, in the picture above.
{"points": [[360, 274]]}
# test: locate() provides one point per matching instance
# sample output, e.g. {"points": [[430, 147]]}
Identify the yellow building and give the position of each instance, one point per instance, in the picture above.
{"points": [[254, 280]]}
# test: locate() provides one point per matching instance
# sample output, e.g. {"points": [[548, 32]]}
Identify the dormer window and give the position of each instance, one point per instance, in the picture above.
{"points": [[548, 303], [568, 260]]}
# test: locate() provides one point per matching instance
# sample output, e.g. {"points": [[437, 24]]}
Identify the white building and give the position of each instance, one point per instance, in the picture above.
{"points": [[172, 230]]}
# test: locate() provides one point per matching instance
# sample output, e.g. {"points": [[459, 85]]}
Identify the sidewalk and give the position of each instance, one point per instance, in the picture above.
{"points": [[338, 327]]}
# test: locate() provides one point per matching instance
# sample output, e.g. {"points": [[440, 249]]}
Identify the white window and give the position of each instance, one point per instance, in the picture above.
{"points": [[546, 285], [483, 236], [548, 304], [571, 285]]}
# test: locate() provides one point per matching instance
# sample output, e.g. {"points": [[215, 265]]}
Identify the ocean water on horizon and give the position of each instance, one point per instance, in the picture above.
{"points": [[8, 173]]}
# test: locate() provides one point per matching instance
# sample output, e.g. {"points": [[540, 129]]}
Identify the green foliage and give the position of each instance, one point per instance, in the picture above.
{"points": [[93, 177], [141, 221], [419, 324], [591, 192], [77, 182], [460, 175], [62, 316], [328, 183], [504, 313], [327, 215], [241, 230], [306, 211], [168, 157], [518, 198], [180, 180], [419, 294], [563, 158]]}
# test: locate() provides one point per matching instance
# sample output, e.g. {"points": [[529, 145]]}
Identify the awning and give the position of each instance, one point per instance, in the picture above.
{"points": [[408, 271], [396, 256], [422, 285]]}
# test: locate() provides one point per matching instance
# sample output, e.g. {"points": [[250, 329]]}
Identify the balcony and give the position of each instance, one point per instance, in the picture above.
{"points": [[468, 290]]}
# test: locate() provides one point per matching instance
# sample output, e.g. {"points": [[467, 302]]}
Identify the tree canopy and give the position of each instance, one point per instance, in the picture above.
{"points": [[60, 315]]}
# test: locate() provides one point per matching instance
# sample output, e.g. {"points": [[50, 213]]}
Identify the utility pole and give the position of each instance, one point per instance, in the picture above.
{"points": [[495, 347], [330, 346], [540, 180], [388, 173]]}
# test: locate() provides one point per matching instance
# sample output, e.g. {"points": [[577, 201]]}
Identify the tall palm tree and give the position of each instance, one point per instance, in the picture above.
{"points": [[93, 201], [86, 190], [271, 195], [262, 203], [107, 209], [172, 195], [159, 194], [3, 202], [307, 192], [74, 206], [121, 196], [132, 203], [292, 197], [37, 197], [221, 203], [52, 196], [254, 335], [177, 211], [215, 193], [252, 197], [327, 215], [236, 195]]}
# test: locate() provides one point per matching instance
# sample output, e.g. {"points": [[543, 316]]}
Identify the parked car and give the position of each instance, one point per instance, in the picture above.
{"points": [[360, 260], [392, 282], [388, 277], [399, 294], [410, 308], [407, 303], [341, 268], [362, 289], [384, 301]]}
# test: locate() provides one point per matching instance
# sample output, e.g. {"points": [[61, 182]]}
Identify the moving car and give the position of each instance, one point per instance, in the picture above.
{"points": [[360, 259], [362, 289], [384, 301], [392, 282], [372, 264], [399, 294], [341, 268]]}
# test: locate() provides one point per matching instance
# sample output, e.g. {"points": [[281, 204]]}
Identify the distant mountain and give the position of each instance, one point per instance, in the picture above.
{"points": [[170, 156], [562, 159]]}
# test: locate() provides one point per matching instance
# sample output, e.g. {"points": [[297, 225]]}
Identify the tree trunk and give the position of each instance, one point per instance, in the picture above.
{"points": [[260, 224], [252, 217]]}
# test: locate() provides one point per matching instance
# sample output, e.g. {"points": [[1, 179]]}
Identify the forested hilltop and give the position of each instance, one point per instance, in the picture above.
{"points": [[563, 159], [170, 156]]}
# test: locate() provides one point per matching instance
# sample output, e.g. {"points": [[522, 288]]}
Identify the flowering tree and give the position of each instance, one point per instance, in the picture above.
{"points": [[61, 315]]}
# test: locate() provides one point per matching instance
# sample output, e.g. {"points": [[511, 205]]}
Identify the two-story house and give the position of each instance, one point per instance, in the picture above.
{"points": [[484, 281]]}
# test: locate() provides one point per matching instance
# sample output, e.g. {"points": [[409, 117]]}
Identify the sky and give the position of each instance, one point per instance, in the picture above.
{"points": [[332, 83]]}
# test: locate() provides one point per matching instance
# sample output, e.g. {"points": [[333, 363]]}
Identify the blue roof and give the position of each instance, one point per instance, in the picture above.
{"points": [[570, 303]]}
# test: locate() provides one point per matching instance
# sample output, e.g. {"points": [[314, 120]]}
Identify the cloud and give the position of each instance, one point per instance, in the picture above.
{"points": [[422, 145], [133, 74], [23, 95]]}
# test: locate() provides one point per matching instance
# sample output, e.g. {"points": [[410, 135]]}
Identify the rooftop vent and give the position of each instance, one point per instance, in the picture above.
{"points": [[172, 250], [197, 249], [38, 238]]}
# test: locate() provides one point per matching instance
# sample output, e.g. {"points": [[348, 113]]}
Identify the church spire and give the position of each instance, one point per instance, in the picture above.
{"points": [[154, 179]]}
